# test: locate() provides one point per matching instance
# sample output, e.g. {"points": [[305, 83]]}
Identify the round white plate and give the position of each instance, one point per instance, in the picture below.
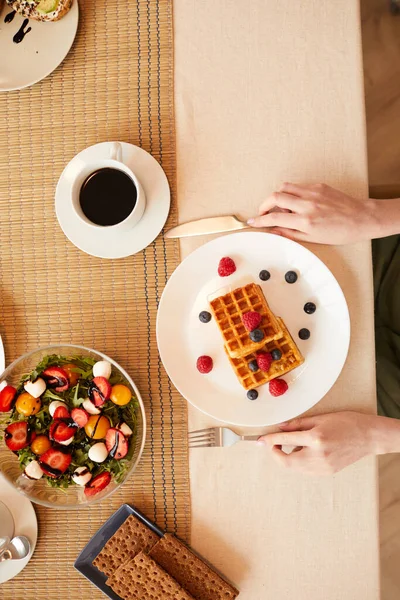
{"points": [[25, 524], [39, 53], [102, 242], [182, 338]]}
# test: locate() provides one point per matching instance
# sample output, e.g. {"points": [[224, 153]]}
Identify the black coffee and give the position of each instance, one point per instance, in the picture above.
{"points": [[107, 196]]}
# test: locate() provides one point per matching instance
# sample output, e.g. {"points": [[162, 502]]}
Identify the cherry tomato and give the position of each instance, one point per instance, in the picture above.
{"points": [[97, 426], [72, 375], [40, 444], [27, 405], [120, 394], [7, 396]]}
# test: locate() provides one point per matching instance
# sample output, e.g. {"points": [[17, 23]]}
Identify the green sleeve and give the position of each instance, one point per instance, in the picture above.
{"points": [[386, 259]]}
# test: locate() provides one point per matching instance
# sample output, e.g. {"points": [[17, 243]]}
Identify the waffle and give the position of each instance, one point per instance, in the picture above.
{"points": [[291, 358], [228, 311]]}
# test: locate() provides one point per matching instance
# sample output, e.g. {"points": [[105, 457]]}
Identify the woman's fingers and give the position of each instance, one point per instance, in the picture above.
{"points": [[277, 219], [292, 234], [280, 200], [299, 424], [287, 438], [294, 459], [295, 189]]}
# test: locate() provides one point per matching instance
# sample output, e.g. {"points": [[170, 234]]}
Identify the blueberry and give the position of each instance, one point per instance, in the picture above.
{"points": [[276, 354], [252, 394], [204, 316], [291, 277], [310, 308], [253, 366], [304, 334], [264, 275], [257, 335]]}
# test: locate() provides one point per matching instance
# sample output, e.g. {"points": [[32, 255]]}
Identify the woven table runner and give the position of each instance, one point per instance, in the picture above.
{"points": [[115, 84]]}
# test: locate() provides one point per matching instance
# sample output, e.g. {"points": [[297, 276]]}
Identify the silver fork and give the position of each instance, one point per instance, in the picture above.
{"points": [[217, 437], [222, 437]]}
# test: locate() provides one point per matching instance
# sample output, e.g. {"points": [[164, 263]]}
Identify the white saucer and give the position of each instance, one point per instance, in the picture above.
{"points": [[40, 52], [25, 524], [104, 243]]}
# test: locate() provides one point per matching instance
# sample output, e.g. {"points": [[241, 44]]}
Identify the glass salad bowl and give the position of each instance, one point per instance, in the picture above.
{"points": [[102, 408]]}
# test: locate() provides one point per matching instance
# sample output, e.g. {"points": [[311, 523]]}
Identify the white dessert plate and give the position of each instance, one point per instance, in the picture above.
{"points": [[41, 50], [102, 242], [25, 524], [182, 338]]}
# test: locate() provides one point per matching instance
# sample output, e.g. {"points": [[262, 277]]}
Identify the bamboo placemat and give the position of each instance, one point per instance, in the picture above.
{"points": [[116, 84]]}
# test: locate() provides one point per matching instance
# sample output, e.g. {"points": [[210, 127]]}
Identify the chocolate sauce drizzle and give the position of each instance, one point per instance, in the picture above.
{"points": [[21, 33], [10, 16], [114, 449]]}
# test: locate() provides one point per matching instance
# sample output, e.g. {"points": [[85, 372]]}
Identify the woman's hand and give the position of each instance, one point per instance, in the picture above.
{"points": [[331, 442], [321, 214]]}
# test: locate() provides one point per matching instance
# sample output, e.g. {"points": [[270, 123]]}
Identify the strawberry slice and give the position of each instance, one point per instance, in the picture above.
{"points": [[62, 430], [17, 435], [99, 390], [97, 484], [7, 396], [116, 443], [80, 416], [61, 412], [56, 378], [55, 462]]}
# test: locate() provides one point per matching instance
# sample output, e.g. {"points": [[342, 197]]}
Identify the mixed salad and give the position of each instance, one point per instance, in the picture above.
{"points": [[73, 421]]}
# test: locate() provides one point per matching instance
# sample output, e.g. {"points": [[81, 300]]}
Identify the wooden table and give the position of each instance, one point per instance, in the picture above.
{"points": [[269, 91]]}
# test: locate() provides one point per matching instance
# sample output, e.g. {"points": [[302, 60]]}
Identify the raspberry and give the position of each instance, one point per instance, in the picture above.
{"points": [[226, 267], [204, 364], [251, 320], [264, 360], [277, 387]]}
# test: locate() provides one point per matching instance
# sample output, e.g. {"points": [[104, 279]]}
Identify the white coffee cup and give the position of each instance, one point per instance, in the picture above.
{"points": [[6, 522], [82, 172]]}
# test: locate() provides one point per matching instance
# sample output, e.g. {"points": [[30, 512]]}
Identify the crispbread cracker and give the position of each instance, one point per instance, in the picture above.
{"points": [[190, 571], [130, 539], [142, 579]]}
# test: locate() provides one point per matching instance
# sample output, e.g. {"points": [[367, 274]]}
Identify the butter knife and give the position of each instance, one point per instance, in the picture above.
{"points": [[207, 226]]}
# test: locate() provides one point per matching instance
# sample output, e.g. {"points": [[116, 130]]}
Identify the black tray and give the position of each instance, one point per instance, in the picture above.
{"points": [[83, 563]]}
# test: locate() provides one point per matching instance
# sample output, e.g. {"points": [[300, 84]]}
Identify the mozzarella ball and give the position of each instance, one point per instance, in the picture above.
{"points": [[55, 404], [3, 384], [81, 476], [90, 407], [102, 369], [125, 429], [67, 442], [35, 388], [98, 452], [33, 470]]}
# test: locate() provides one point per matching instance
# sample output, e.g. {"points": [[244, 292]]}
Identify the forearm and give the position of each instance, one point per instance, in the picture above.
{"points": [[384, 217], [384, 435]]}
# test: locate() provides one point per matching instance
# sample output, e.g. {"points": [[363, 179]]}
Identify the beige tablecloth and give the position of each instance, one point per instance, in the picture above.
{"points": [[267, 91]]}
